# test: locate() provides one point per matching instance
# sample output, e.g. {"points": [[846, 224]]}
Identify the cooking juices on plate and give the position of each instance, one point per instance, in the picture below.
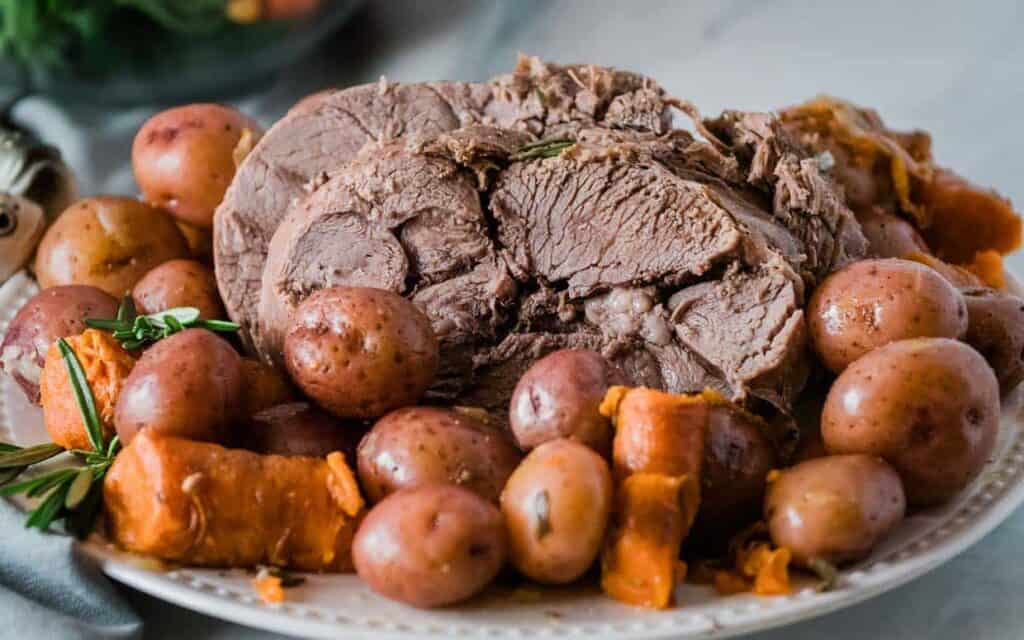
{"points": [[520, 326]]}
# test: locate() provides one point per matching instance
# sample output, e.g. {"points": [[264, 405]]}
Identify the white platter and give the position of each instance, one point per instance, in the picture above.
{"points": [[331, 606]]}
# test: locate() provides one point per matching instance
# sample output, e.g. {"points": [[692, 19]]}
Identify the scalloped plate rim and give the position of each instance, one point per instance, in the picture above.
{"points": [[938, 536]]}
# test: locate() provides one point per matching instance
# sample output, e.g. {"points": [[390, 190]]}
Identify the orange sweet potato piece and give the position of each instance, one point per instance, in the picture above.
{"points": [[728, 582], [768, 567], [958, 276], [657, 432], [201, 504], [640, 562], [965, 219], [268, 588], [988, 266], [106, 365]]}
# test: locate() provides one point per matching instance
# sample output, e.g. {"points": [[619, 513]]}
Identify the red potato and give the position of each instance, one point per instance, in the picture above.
{"points": [[996, 329], [928, 406], [737, 458], [888, 235], [556, 506], [108, 242], [300, 429], [360, 352], [874, 302], [187, 386], [559, 397], [179, 283], [431, 546], [416, 446], [183, 158], [53, 313], [265, 387], [834, 509]]}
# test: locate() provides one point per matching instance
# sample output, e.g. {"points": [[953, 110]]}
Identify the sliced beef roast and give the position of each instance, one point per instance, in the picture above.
{"points": [[553, 207], [327, 129]]}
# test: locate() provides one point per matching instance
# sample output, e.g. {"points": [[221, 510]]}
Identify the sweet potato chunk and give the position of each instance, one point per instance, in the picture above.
{"points": [[657, 432], [201, 504], [966, 219], [653, 515], [988, 266], [106, 365], [657, 453]]}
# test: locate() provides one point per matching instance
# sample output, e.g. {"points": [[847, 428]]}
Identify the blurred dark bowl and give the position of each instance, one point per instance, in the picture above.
{"points": [[180, 68]]}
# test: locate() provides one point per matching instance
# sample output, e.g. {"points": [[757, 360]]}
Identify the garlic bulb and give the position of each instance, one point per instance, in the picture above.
{"points": [[33, 170], [22, 223]]}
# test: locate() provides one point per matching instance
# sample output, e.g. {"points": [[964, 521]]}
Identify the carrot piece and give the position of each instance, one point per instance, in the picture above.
{"points": [[640, 563]]}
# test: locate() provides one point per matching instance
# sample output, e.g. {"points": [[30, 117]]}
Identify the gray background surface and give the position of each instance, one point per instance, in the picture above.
{"points": [[953, 68]]}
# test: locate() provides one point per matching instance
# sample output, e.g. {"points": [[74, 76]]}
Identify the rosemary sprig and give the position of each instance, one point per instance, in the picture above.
{"points": [[135, 331], [71, 494], [542, 149], [83, 395]]}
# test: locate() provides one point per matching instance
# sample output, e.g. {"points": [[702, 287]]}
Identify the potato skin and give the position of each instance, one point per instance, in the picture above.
{"points": [[415, 446], [107, 242], [928, 406], [737, 458], [183, 158], [107, 367], [301, 429], [556, 506], [187, 386], [995, 328], [53, 313], [835, 508], [888, 235], [874, 302], [265, 387], [360, 352], [430, 546], [559, 397], [179, 283]]}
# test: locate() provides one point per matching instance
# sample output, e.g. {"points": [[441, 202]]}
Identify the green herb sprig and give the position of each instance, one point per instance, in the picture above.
{"points": [[134, 331], [72, 494], [542, 149]]}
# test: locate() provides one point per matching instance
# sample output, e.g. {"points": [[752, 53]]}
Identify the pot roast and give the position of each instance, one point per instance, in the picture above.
{"points": [[553, 207]]}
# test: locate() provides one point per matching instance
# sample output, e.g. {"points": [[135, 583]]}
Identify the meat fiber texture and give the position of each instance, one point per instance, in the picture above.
{"points": [[682, 257]]}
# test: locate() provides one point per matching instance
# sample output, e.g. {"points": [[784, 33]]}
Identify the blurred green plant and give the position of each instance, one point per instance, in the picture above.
{"points": [[56, 33]]}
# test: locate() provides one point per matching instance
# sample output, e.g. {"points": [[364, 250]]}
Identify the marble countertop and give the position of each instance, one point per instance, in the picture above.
{"points": [[953, 68]]}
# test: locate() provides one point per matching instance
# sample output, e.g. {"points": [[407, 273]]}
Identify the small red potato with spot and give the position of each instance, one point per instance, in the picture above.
{"points": [[871, 303], [360, 352], [184, 158], [559, 397]]}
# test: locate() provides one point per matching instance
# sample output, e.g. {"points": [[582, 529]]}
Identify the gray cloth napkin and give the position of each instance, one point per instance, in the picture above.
{"points": [[48, 589]]}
